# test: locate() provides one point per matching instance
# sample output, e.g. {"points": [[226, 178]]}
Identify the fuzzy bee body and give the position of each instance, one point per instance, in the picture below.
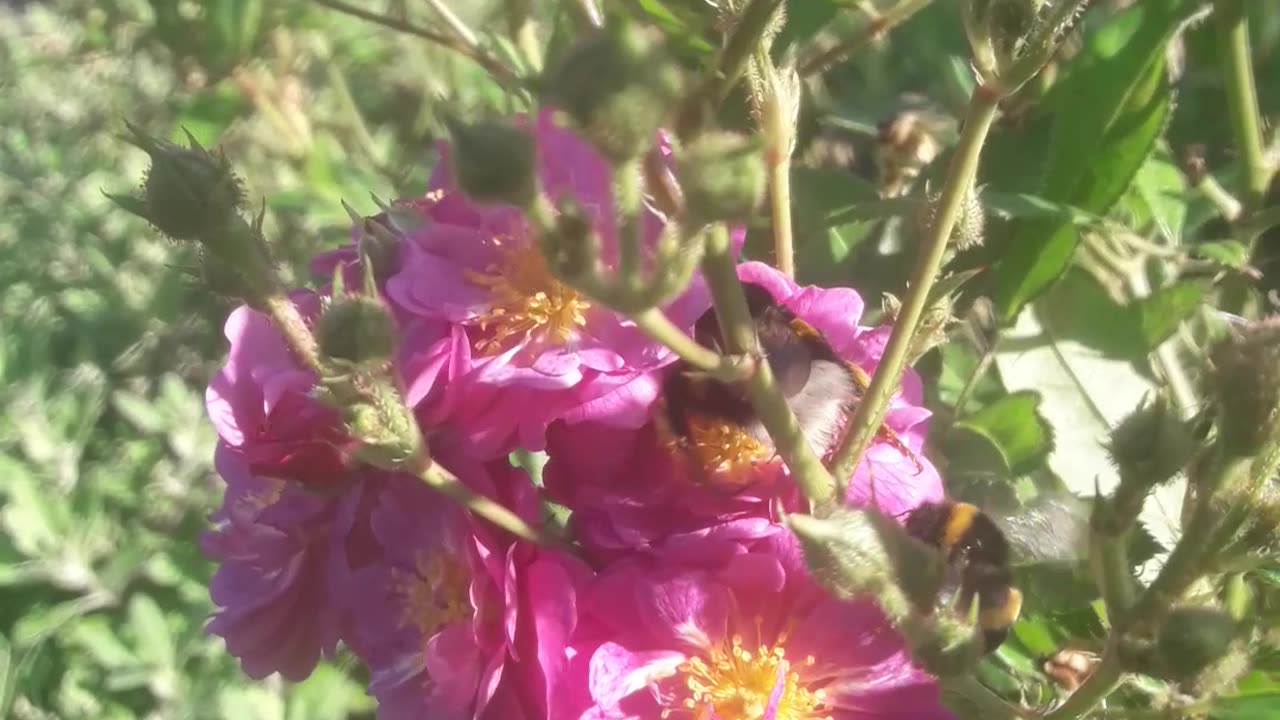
{"points": [[819, 385], [977, 555], [982, 549]]}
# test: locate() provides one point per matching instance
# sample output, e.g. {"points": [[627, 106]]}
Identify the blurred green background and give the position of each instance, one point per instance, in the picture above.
{"points": [[106, 341]]}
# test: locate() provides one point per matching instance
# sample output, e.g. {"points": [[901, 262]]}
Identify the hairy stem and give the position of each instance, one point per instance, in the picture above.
{"points": [[1232, 23], [1186, 563], [500, 72], [875, 28], [732, 62], [290, 323], [740, 337], [960, 175]]}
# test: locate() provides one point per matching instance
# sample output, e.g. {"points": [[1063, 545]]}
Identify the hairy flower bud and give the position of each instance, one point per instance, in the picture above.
{"points": [[999, 30], [1151, 444], [970, 228], [1246, 382], [855, 552], [618, 86], [493, 163], [723, 177], [356, 329], [1192, 638], [189, 193]]}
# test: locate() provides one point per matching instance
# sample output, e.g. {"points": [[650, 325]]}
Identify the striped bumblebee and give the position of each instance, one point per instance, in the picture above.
{"points": [[714, 422], [981, 550]]}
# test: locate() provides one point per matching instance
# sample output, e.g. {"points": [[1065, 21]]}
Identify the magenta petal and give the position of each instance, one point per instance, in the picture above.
{"points": [[778, 285], [617, 672]]}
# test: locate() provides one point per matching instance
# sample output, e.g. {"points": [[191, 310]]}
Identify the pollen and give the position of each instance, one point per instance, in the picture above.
{"points": [[435, 594], [722, 447], [527, 302], [734, 683]]}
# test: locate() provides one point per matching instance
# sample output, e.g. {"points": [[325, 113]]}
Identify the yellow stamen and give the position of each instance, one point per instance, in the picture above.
{"points": [[720, 447], [737, 684], [526, 300], [435, 594]]}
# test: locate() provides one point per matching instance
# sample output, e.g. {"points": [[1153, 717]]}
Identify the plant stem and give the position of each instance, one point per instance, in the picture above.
{"points": [[1104, 679], [723, 367], [739, 334], [1185, 564], [459, 28], [445, 483], [743, 40], [287, 319], [1260, 222], [500, 72], [875, 28], [732, 62], [960, 175], [524, 33], [784, 252], [978, 697], [586, 13], [1232, 23]]}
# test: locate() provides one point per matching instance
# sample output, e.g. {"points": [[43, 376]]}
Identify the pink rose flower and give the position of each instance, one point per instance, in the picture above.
{"points": [[631, 488], [274, 546], [525, 349], [453, 618], [737, 634], [261, 406]]}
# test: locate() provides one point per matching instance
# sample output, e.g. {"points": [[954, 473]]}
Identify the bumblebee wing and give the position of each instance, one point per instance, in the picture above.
{"points": [[1054, 528]]}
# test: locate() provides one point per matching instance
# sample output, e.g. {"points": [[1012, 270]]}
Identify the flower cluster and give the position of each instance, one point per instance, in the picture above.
{"points": [[685, 597]]}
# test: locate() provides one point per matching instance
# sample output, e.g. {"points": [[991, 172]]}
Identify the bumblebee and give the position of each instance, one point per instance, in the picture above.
{"points": [[981, 550], [714, 422]]}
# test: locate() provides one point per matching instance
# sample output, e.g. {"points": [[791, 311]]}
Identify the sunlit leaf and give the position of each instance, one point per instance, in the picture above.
{"points": [[1096, 146]]}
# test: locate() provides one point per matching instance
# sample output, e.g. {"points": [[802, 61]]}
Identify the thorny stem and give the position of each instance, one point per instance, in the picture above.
{"points": [[285, 316], [732, 62], [964, 166], [500, 72], [1186, 563], [1242, 100], [876, 27], [777, 115], [739, 335]]}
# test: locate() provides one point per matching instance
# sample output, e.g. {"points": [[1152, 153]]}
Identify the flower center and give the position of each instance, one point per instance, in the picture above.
{"points": [[526, 299], [733, 683], [435, 594], [718, 446]]}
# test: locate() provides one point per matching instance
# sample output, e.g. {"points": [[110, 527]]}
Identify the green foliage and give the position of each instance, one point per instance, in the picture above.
{"points": [[1101, 261]]}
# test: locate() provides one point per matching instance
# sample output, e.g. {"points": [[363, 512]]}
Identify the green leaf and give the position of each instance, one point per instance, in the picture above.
{"points": [[150, 631], [1230, 253], [326, 695], [1084, 394], [1097, 146], [1160, 313], [1014, 426], [833, 213], [1256, 698], [95, 636], [1080, 309]]}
